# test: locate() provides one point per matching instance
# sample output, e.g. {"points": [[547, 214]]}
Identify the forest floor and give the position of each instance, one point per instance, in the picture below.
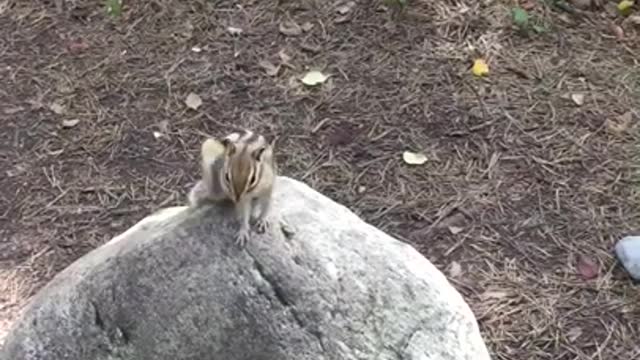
{"points": [[530, 172]]}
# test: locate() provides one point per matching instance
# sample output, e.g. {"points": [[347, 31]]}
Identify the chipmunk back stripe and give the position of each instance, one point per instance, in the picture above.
{"points": [[253, 138]]}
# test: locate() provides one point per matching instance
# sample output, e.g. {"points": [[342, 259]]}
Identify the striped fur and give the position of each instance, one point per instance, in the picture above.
{"points": [[248, 164]]}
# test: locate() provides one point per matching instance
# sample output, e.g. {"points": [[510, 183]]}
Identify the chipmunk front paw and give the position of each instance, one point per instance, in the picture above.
{"points": [[262, 225], [242, 236]]}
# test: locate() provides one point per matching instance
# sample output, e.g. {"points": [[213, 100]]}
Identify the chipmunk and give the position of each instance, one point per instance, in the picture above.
{"points": [[240, 168]]}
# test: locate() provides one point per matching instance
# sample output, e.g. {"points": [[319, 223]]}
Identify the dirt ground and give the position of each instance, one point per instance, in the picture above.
{"points": [[530, 177]]}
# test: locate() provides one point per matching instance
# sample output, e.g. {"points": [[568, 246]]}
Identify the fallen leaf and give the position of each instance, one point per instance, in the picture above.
{"points": [[578, 99], [196, 49], [621, 124], [528, 4], [313, 78], [158, 135], [635, 19], [77, 45], [587, 267], [341, 19], [455, 229], [314, 49], [617, 32], [361, 189], [624, 7], [345, 8], [307, 26], [489, 294], [290, 28], [480, 68], [412, 158], [284, 57], [269, 68], [193, 101], [574, 333], [57, 108], [455, 270], [163, 126], [13, 110], [70, 123], [234, 30]]}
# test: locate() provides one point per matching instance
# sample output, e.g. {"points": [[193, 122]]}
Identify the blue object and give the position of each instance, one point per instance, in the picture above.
{"points": [[628, 252]]}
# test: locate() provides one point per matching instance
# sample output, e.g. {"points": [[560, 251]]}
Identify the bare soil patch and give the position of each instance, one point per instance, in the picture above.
{"points": [[521, 180]]}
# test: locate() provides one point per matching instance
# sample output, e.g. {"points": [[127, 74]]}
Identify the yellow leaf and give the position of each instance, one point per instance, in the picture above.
{"points": [[624, 7], [480, 68], [313, 78], [412, 158]]}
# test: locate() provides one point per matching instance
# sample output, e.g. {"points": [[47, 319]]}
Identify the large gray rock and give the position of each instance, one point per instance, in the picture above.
{"points": [[628, 252], [326, 286]]}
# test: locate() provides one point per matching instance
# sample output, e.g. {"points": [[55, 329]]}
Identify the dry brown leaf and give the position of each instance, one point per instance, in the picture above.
{"points": [[307, 26], [13, 110], [455, 270], [345, 8], [528, 4], [57, 108], [313, 78], [574, 333], [621, 124], [70, 123], [587, 267], [617, 32], [635, 19], [269, 68], [77, 45], [284, 57], [290, 28], [578, 99], [413, 158], [193, 101], [489, 294], [234, 30], [455, 229], [341, 19]]}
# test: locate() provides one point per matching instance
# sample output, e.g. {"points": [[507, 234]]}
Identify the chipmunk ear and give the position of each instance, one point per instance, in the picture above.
{"points": [[257, 153], [229, 146]]}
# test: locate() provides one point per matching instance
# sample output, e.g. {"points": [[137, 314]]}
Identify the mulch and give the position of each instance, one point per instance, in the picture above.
{"points": [[531, 171]]}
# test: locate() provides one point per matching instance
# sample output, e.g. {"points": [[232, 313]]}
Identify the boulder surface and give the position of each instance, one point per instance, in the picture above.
{"points": [[319, 284]]}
